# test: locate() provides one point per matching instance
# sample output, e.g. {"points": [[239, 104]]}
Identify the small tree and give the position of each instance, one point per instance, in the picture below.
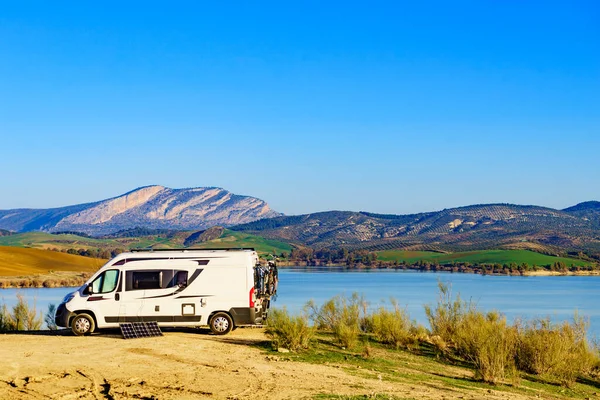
{"points": [[23, 318], [49, 317]]}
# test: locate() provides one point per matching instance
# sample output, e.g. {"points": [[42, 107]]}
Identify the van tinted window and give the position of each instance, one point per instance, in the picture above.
{"points": [[139, 280], [155, 279]]}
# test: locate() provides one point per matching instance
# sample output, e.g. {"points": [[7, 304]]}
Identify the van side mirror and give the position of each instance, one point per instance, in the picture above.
{"points": [[88, 289]]}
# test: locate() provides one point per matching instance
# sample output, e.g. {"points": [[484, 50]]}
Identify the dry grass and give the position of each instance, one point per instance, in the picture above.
{"points": [[497, 352], [17, 261]]}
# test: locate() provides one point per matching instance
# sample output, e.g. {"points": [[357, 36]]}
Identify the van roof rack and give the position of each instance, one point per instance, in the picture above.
{"points": [[194, 249]]}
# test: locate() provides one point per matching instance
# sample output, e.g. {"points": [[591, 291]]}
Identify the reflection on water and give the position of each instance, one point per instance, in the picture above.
{"points": [[515, 296]]}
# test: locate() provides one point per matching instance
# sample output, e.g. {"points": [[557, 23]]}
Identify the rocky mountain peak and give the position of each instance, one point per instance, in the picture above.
{"points": [[151, 206]]}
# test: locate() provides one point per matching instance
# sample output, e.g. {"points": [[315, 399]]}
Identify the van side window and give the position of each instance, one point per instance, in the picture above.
{"points": [[106, 282], [141, 280], [155, 279], [179, 279]]}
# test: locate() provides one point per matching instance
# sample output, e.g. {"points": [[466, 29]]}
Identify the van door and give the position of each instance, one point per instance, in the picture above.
{"points": [[166, 301], [104, 299], [154, 293]]}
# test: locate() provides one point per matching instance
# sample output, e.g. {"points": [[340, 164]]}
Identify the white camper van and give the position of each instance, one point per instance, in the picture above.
{"points": [[221, 288]]}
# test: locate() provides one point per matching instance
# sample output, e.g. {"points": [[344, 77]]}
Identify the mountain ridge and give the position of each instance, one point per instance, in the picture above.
{"points": [[152, 206], [461, 228]]}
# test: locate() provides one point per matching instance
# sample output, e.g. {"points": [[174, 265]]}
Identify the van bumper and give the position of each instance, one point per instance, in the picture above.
{"points": [[245, 316], [62, 316]]}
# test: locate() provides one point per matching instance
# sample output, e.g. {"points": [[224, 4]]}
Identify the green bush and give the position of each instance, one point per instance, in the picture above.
{"points": [[448, 314], [489, 343], [482, 339], [393, 327], [290, 332], [340, 315], [22, 317], [559, 352], [49, 317], [3, 318]]}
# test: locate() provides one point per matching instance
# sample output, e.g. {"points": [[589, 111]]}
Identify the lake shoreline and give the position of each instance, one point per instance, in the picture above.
{"points": [[50, 280], [76, 279], [460, 270]]}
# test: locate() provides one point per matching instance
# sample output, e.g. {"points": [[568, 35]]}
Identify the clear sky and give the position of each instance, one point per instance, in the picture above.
{"points": [[390, 107]]}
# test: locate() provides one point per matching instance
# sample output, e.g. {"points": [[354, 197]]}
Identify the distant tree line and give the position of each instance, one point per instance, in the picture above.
{"points": [[268, 223], [363, 258], [76, 233], [92, 252], [139, 231]]}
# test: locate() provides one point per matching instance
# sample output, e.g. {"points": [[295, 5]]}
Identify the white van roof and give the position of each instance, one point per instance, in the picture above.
{"points": [[218, 256]]}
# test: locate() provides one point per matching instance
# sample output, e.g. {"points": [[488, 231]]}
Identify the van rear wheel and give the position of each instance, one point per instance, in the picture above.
{"points": [[82, 324], [220, 323]]}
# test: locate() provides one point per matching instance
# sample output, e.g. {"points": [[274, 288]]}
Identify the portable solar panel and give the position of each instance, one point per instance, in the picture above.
{"points": [[127, 330], [140, 329], [153, 329], [133, 330]]}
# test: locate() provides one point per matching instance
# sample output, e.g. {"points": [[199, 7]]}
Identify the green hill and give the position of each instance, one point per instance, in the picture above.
{"points": [[46, 240], [470, 228], [229, 239], [479, 257], [232, 239]]}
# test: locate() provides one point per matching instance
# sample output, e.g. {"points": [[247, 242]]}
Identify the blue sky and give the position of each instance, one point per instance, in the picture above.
{"points": [[391, 107]]}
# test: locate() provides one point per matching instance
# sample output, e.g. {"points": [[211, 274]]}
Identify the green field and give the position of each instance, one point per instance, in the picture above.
{"points": [[240, 239], [229, 239], [479, 257], [44, 240]]}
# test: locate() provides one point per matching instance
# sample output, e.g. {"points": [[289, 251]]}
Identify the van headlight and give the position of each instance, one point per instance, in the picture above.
{"points": [[69, 297]]}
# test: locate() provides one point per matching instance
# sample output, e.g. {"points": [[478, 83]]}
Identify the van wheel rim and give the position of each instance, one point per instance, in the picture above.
{"points": [[82, 325], [221, 324]]}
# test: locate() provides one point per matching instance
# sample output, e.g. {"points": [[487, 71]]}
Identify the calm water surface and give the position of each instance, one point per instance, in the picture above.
{"points": [[515, 296]]}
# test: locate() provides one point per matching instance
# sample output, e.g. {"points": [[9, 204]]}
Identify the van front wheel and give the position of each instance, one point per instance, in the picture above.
{"points": [[82, 324], [220, 323]]}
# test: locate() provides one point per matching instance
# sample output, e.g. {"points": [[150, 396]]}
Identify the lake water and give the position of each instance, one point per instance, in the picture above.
{"points": [[515, 296]]}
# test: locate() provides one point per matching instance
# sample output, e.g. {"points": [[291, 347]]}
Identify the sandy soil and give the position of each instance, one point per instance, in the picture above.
{"points": [[182, 365]]}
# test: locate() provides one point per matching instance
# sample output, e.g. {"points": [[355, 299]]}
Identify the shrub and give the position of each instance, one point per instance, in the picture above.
{"points": [[392, 327], [559, 352], [448, 314], [483, 339], [367, 350], [440, 346], [49, 317], [290, 332], [340, 315], [488, 342], [3, 318], [22, 318]]}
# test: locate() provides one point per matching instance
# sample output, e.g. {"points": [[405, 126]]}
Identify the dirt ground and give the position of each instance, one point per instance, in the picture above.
{"points": [[182, 365]]}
